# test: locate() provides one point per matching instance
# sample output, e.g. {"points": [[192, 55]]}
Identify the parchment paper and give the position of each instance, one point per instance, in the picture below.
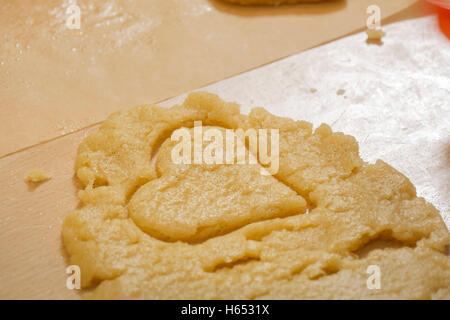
{"points": [[54, 80]]}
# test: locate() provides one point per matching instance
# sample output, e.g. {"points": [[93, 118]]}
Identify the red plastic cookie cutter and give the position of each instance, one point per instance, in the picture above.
{"points": [[441, 3], [443, 15]]}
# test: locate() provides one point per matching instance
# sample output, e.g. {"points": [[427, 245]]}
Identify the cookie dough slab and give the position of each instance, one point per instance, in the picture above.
{"points": [[354, 206]]}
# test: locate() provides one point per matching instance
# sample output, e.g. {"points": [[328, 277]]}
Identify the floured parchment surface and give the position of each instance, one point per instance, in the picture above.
{"points": [[55, 80]]}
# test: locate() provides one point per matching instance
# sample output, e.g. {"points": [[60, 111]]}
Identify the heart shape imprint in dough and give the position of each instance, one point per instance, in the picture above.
{"points": [[192, 203]]}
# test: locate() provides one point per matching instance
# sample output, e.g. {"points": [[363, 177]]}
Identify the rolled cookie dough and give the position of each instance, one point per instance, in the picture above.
{"points": [[153, 229]]}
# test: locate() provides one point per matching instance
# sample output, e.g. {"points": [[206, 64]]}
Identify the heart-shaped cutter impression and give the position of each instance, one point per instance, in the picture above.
{"points": [[195, 202]]}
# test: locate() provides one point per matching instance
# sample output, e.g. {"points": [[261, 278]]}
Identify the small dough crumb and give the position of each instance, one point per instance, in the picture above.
{"points": [[340, 92], [375, 34], [37, 176]]}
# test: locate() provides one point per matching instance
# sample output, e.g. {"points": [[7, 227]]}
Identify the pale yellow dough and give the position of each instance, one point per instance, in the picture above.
{"points": [[150, 228], [37, 176], [375, 34]]}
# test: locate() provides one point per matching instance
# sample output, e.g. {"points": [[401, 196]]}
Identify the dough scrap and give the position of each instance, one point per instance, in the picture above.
{"points": [[359, 215], [375, 34], [37, 176]]}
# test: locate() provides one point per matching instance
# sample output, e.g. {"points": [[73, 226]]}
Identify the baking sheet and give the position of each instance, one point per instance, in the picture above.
{"points": [[396, 103], [54, 80]]}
